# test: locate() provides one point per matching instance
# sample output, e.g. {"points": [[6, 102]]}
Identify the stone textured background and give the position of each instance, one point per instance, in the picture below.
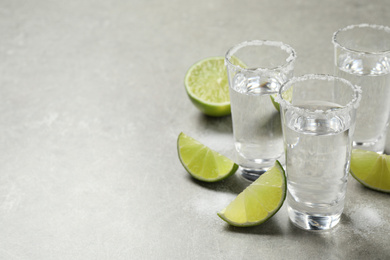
{"points": [[92, 101]]}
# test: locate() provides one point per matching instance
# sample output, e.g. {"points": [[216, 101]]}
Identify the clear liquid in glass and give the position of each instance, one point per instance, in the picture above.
{"points": [[373, 113], [318, 152], [256, 123]]}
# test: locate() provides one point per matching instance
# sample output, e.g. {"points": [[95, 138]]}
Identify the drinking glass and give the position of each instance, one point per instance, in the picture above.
{"points": [[256, 69], [318, 119], [362, 56]]}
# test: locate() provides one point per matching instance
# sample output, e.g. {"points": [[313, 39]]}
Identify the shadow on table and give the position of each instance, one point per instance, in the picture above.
{"points": [[218, 124], [346, 241], [233, 184], [270, 227]]}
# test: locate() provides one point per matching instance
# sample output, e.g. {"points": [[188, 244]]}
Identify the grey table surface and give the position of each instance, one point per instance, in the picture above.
{"points": [[92, 101]]}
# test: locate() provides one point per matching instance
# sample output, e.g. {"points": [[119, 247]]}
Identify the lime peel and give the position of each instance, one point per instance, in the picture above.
{"points": [[371, 169], [201, 162], [259, 201], [287, 95], [207, 86]]}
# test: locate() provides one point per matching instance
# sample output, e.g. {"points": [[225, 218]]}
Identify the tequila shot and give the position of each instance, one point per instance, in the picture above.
{"points": [[362, 56], [318, 118], [264, 66]]}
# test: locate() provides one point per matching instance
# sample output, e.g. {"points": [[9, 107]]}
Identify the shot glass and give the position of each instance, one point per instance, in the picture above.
{"points": [[256, 69], [318, 119], [362, 56]]}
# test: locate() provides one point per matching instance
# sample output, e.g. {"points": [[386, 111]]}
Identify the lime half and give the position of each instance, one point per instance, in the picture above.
{"points": [[371, 169], [203, 163], [207, 86], [259, 201]]}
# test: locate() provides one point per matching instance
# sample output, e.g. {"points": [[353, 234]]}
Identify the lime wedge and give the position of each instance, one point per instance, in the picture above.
{"points": [[371, 169], [287, 95], [207, 86], [259, 201], [203, 163]]}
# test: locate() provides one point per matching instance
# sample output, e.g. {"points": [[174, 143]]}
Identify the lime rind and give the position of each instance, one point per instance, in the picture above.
{"points": [[257, 203], [287, 95], [207, 86], [371, 169], [203, 163]]}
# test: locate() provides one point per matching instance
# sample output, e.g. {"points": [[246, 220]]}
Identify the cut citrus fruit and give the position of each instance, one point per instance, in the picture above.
{"points": [[207, 86], [371, 169], [287, 95], [203, 163], [259, 201]]}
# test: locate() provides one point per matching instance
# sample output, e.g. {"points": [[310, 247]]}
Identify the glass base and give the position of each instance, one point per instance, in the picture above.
{"points": [[252, 174], [312, 222]]}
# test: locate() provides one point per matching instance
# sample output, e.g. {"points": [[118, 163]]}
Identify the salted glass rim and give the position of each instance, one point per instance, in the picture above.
{"points": [[285, 104], [287, 66], [363, 25]]}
